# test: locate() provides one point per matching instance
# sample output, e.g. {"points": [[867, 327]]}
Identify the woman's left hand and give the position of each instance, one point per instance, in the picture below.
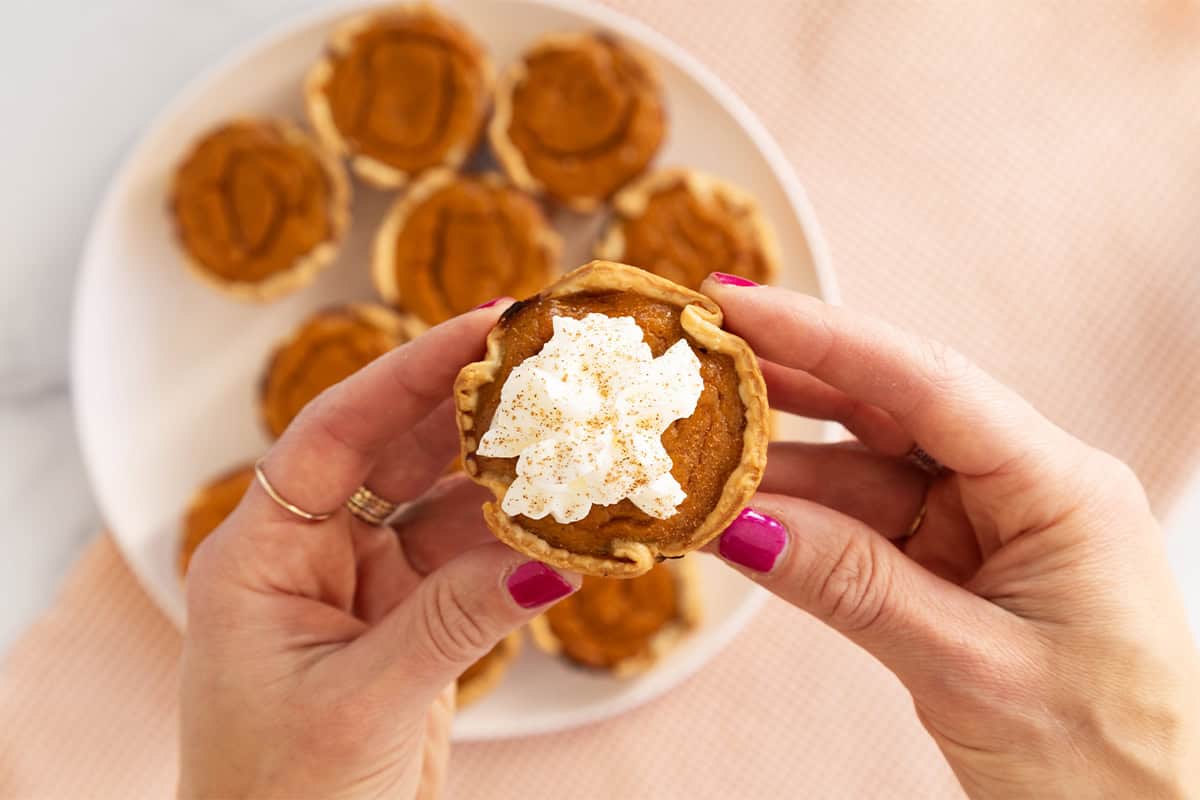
{"points": [[320, 657]]}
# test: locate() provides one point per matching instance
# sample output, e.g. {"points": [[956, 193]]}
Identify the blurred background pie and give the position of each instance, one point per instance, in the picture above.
{"points": [[682, 224], [328, 347], [454, 241], [400, 91], [620, 625], [577, 117], [258, 208]]}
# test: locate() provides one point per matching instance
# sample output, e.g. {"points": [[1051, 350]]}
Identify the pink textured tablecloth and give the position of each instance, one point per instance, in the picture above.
{"points": [[1021, 179]]}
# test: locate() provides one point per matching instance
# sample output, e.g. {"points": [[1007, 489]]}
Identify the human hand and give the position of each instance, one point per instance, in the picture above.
{"points": [[320, 657], [1032, 613]]}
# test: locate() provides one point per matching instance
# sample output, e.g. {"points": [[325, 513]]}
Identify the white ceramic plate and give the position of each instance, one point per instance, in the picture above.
{"points": [[165, 369]]}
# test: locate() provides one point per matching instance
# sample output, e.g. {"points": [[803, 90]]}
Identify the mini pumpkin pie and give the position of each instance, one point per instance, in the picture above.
{"points": [[455, 241], [485, 674], [209, 507], [398, 92], [683, 225], [578, 117], [258, 208], [623, 625], [327, 348], [614, 420]]}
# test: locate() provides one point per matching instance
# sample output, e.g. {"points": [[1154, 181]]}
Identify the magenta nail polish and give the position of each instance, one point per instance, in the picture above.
{"points": [[731, 280], [534, 584], [753, 540], [489, 303]]}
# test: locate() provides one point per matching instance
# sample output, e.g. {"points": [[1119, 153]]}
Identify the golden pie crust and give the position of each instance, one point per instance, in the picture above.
{"points": [[485, 674], [623, 625], [209, 507], [455, 241], [398, 92], [683, 224], [577, 117], [328, 347], [258, 208], [719, 452]]}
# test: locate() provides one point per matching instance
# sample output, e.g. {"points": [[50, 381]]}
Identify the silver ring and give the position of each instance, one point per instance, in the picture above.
{"points": [[923, 461]]}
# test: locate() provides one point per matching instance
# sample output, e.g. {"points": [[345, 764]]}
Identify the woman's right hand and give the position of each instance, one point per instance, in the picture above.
{"points": [[1032, 614]]}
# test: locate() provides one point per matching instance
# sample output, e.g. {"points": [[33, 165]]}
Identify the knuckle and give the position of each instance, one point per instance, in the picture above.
{"points": [[854, 594], [946, 366], [453, 633], [1114, 480], [1122, 476]]}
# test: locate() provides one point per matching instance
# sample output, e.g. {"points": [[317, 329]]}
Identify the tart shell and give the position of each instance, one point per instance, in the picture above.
{"points": [[383, 250], [631, 202], [701, 318], [304, 269], [371, 170]]}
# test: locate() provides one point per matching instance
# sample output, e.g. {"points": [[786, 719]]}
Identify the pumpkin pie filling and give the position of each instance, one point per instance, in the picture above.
{"points": [[579, 117], [454, 242], [611, 620], [255, 199], [405, 89], [327, 348], [705, 447], [684, 226], [209, 508]]}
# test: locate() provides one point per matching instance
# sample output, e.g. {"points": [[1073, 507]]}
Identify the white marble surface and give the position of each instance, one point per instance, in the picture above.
{"points": [[81, 80]]}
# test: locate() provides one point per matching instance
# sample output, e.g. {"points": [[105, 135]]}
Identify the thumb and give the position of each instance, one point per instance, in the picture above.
{"points": [[923, 628], [456, 615]]}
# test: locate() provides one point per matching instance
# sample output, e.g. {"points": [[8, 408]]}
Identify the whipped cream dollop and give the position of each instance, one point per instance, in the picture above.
{"points": [[585, 418]]}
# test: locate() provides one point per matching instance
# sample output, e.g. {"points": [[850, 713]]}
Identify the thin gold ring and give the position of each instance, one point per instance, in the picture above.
{"points": [[918, 520], [307, 516], [370, 507]]}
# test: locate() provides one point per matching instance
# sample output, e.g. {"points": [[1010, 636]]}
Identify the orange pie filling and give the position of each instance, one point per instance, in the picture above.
{"points": [[455, 242], [704, 447], [327, 348], [406, 89], [585, 116], [613, 620], [209, 508], [255, 199], [683, 232]]}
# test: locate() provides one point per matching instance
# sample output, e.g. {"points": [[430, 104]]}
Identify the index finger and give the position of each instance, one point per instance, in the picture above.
{"points": [[957, 413], [329, 449]]}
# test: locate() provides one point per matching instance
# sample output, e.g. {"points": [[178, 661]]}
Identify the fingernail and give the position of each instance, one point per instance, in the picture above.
{"points": [[534, 584], [489, 303], [754, 541], [731, 280]]}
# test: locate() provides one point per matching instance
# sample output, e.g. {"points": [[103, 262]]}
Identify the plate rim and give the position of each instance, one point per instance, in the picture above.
{"points": [[628, 27]]}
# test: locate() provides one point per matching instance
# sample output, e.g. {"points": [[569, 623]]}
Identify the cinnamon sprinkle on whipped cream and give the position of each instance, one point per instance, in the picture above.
{"points": [[585, 417]]}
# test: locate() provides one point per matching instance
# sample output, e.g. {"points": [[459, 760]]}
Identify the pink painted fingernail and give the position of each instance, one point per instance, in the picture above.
{"points": [[489, 303], [753, 540], [534, 584], [731, 280]]}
